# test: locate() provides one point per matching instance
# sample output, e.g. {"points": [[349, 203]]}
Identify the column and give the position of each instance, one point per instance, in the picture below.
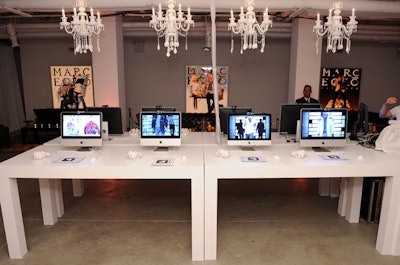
{"points": [[305, 63], [108, 67]]}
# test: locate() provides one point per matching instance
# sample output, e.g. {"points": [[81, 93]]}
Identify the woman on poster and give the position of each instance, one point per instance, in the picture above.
{"points": [[210, 92], [340, 90]]}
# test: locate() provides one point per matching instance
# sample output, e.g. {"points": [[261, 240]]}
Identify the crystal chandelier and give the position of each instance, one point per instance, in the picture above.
{"points": [[248, 28], [82, 27], [171, 26], [335, 29]]}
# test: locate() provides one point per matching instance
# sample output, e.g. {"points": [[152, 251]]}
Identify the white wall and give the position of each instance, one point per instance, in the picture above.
{"points": [[255, 79]]}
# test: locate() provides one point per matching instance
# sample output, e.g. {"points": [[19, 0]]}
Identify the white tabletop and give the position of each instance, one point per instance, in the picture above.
{"points": [[105, 162]]}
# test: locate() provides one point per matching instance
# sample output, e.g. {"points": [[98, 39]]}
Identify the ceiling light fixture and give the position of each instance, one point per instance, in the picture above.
{"points": [[248, 28], [82, 27], [335, 29], [171, 26]]}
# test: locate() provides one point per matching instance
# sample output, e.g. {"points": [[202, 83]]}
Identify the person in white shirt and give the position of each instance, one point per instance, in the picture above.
{"points": [[387, 111]]}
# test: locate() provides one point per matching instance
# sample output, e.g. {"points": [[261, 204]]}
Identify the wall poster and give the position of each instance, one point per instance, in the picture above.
{"points": [[340, 88], [200, 91], [79, 78]]}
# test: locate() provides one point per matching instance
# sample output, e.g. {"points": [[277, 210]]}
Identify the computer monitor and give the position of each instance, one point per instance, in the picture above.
{"points": [[323, 127], [160, 128], [290, 114], [113, 116], [249, 129], [224, 113], [81, 128]]}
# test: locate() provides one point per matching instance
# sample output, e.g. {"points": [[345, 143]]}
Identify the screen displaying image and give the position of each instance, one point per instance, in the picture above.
{"points": [[81, 125], [163, 124], [324, 124], [254, 127]]}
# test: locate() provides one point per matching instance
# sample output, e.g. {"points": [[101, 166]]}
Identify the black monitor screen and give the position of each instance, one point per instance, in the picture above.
{"points": [[224, 113], [290, 114], [113, 117]]}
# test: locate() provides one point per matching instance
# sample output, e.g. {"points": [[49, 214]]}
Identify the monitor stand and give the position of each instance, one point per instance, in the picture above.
{"points": [[247, 148], [84, 149], [161, 148], [320, 149]]}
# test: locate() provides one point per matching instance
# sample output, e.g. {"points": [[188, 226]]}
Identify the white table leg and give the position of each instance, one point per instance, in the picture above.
{"points": [[343, 196], [59, 198], [48, 197], [78, 187], [353, 201], [197, 191], [12, 218], [210, 217], [388, 240]]}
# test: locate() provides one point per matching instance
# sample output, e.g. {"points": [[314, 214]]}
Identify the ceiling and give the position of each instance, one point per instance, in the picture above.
{"points": [[378, 20]]}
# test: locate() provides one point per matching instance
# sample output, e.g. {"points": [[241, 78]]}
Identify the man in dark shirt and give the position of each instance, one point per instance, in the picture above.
{"points": [[306, 96]]}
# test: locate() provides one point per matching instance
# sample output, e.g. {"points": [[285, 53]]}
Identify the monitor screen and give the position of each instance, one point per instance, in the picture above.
{"points": [[290, 114], [113, 116], [224, 113], [249, 129], [323, 127], [160, 128], [81, 129]]}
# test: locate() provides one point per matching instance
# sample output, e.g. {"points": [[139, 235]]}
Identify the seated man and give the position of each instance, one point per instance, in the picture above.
{"points": [[306, 96]]}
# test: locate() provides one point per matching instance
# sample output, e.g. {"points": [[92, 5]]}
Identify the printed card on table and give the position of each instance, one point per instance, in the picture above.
{"points": [[163, 162]]}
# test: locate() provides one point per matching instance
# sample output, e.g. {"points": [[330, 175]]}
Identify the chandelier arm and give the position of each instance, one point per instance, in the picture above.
{"points": [[159, 27], [260, 30], [69, 29], [185, 26], [236, 29], [161, 34], [321, 32], [347, 32]]}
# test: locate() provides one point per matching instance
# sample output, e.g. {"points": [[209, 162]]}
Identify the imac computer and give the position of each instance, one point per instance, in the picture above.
{"points": [[246, 130], [224, 113], [160, 129], [290, 114], [323, 128], [81, 129], [113, 116]]}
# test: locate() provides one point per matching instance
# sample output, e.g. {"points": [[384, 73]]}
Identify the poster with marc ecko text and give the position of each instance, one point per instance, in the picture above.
{"points": [[340, 88], [77, 79]]}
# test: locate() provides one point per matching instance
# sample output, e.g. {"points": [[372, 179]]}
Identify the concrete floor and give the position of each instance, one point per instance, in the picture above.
{"points": [[148, 222]]}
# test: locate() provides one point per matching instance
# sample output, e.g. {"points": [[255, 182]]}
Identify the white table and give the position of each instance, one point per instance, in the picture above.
{"points": [[133, 140], [108, 162], [361, 162]]}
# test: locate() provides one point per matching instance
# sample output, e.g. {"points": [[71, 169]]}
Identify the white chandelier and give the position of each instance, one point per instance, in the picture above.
{"points": [[82, 27], [335, 29], [248, 28], [171, 26]]}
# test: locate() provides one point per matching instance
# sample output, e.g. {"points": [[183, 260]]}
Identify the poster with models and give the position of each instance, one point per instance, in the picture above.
{"points": [[71, 87], [340, 88], [200, 90]]}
